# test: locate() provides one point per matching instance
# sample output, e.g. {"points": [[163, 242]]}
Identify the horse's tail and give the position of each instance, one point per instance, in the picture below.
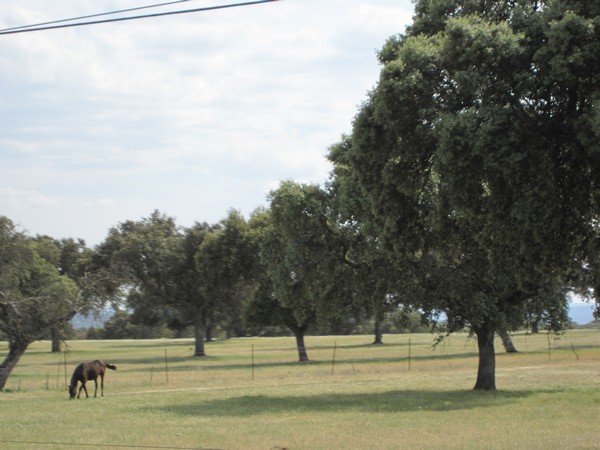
{"points": [[110, 366]]}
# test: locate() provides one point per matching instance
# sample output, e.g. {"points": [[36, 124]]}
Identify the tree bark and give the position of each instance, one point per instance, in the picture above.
{"points": [[302, 354], [507, 342], [378, 334], [200, 335], [486, 372], [16, 350], [56, 340], [209, 333]]}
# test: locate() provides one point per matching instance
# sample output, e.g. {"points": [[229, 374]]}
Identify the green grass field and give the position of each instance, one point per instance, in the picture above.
{"points": [[372, 397]]}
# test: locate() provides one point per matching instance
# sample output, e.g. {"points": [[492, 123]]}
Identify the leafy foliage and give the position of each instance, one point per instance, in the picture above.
{"points": [[34, 296], [477, 152]]}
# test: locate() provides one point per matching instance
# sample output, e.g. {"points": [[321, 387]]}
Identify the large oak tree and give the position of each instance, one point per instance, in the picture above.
{"points": [[222, 264], [479, 151], [302, 257], [144, 259]]}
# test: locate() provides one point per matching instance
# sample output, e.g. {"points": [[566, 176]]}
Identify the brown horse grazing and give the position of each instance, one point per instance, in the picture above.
{"points": [[89, 371]]}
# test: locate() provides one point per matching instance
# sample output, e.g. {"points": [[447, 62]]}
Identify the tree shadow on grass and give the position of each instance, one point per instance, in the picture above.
{"points": [[148, 343], [341, 360], [381, 402]]}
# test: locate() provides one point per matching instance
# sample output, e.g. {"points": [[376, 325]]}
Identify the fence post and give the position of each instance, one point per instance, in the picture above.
{"points": [[166, 367], [65, 359], [252, 359], [409, 353], [58, 374], [573, 350], [333, 358]]}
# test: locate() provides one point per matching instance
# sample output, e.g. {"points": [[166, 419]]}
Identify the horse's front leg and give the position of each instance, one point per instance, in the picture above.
{"points": [[85, 389]]}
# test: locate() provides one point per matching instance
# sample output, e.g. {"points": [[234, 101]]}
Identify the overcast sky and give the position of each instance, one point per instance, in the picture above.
{"points": [[189, 114]]}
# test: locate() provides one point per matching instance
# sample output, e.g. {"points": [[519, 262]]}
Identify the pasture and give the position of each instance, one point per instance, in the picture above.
{"points": [[252, 394]]}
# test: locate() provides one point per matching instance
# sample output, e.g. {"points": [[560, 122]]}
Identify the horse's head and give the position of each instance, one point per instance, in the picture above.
{"points": [[72, 391]]}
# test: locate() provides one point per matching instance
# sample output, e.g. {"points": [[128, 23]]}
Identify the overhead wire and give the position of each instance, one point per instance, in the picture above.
{"points": [[158, 5], [28, 29]]}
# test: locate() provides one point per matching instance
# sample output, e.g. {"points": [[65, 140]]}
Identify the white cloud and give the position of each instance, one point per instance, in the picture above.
{"points": [[100, 202], [191, 114], [24, 199]]}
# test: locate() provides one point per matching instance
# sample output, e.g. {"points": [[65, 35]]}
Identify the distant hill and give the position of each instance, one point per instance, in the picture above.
{"points": [[95, 321]]}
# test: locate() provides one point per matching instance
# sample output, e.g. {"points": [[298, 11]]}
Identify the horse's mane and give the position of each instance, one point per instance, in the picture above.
{"points": [[76, 375]]}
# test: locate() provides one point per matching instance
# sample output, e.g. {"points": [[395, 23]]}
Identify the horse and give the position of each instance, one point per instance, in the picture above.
{"points": [[89, 371]]}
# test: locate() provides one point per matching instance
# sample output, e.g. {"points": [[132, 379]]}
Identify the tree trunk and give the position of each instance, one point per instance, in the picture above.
{"points": [[486, 372], [16, 350], [507, 342], [200, 335], [378, 334], [233, 329], [56, 340], [178, 332], [302, 354]]}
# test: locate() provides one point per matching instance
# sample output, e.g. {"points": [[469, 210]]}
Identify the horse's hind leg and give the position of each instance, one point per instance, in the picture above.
{"points": [[102, 385], [96, 387]]}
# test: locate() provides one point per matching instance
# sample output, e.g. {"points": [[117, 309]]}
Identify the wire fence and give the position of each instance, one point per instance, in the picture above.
{"points": [[259, 361]]}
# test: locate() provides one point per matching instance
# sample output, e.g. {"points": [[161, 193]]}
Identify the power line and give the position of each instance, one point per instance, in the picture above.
{"points": [[93, 15], [122, 19]]}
